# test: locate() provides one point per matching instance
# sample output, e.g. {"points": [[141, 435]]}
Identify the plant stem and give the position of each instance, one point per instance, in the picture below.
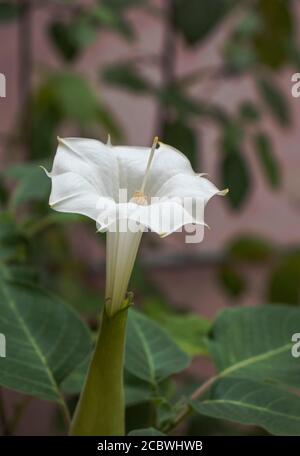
{"points": [[101, 409], [187, 409]]}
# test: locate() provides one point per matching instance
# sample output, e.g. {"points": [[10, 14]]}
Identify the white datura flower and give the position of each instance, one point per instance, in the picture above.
{"points": [[127, 190]]}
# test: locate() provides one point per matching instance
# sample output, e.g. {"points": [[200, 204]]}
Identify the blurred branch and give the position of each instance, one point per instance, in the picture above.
{"points": [[25, 46], [168, 63], [210, 71]]}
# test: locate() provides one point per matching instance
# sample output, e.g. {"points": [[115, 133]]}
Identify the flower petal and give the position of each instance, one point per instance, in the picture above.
{"points": [[133, 162], [188, 186], [72, 193], [90, 159]]}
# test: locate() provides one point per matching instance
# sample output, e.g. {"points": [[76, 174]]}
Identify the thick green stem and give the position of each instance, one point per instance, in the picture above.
{"points": [[101, 409]]}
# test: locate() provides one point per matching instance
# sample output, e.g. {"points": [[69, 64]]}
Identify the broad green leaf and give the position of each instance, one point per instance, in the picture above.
{"points": [[127, 77], [267, 159], [255, 343], [250, 402], [137, 391], [45, 340], [235, 176], [284, 282], [179, 135], [146, 432], [150, 353], [250, 248], [32, 183], [74, 382], [196, 19], [275, 101]]}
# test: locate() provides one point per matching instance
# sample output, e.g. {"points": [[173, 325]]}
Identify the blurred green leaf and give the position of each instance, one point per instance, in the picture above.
{"points": [[179, 135], [32, 183], [13, 245], [187, 330], [127, 77], [45, 339], [174, 97], [146, 432], [195, 20], [9, 11], [275, 101], [235, 176], [272, 41], [110, 16], [284, 282], [70, 39], [64, 96], [248, 112], [267, 159], [239, 57], [231, 280], [151, 355], [250, 248]]}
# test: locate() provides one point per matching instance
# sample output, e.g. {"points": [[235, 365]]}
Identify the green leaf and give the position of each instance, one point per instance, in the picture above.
{"points": [[275, 101], [249, 112], [252, 349], [9, 11], [187, 330], [235, 176], [250, 248], [253, 403], [195, 19], [232, 280], [127, 77], [13, 245], [151, 355], [267, 159], [255, 343], [33, 184], [137, 391], [45, 340], [284, 282], [174, 98], [70, 39], [272, 41], [179, 135], [145, 432]]}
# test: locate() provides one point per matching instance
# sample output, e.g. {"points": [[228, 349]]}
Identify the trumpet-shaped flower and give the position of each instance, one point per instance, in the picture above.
{"points": [[127, 190]]}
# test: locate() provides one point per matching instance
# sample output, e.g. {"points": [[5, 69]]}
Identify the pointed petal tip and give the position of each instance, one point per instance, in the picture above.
{"points": [[108, 142], [48, 173], [224, 192]]}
